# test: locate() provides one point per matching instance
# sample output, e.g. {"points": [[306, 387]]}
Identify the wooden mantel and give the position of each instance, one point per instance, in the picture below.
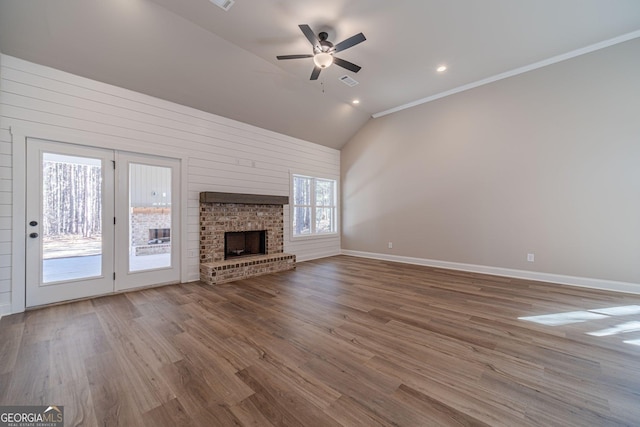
{"points": [[255, 199]]}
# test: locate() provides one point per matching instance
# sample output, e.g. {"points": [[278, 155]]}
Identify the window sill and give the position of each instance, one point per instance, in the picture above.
{"points": [[313, 236]]}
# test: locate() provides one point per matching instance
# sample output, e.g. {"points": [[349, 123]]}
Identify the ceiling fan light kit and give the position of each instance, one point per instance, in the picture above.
{"points": [[323, 51], [323, 59]]}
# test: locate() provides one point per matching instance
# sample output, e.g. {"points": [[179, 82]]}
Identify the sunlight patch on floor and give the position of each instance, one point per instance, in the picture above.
{"points": [[558, 319], [571, 317], [618, 329], [625, 310]]}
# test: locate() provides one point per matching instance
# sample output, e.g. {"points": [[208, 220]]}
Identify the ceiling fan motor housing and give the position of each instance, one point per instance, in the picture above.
{"points": [[324, 44]]}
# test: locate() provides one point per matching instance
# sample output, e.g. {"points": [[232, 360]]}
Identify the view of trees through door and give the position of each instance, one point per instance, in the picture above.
{"points": [[72, 213], [71, 216]]}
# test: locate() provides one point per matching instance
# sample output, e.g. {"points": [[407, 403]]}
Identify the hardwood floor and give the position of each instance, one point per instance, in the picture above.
{"points": [[339, 341]]}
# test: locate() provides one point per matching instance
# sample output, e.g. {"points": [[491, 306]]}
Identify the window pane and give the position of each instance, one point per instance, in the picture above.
{"points": [[301, 221], [313, 205], [71, 217], [325, 195], [325, 220], [150, 217], [301, 190]]}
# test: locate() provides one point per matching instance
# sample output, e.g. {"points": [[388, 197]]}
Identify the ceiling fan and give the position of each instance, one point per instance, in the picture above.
{"points": [[323, 51]]}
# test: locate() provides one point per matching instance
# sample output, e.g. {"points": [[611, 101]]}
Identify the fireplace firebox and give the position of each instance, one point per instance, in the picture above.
{"points": [[159, 235], [244, 243]]}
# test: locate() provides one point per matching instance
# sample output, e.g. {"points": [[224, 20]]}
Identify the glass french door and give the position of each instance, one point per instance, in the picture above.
{"points": [[70, 209], [78, 219], [149, 225]]}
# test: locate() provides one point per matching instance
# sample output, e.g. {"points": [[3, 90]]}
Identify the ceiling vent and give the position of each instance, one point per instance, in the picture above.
{"points": [[348, 81], [223, 4]]}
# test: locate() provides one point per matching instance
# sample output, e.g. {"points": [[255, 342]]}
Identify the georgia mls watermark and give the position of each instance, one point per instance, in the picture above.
{"points": [[32, 416]]}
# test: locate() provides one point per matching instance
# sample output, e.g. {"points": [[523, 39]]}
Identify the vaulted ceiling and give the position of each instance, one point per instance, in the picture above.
{"points": [[224, 62]]}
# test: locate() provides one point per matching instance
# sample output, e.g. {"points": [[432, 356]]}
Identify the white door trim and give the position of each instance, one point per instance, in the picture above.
{"points": [[19, 135]]}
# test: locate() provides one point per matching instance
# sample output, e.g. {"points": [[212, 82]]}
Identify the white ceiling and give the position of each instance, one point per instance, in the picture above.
{"points": [[196, 54]]}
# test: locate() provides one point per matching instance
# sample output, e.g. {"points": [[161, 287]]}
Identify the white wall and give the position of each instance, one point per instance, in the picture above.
{"points": [[5, 219], [221, 154]]}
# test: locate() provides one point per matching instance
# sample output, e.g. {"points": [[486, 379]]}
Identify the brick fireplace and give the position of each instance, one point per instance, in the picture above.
{"points": [[246, 215]]}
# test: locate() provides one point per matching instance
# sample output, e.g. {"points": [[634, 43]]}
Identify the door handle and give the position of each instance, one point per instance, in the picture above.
{"points": [[33, 235]]}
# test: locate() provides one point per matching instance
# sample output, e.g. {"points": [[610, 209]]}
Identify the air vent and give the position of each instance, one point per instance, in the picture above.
{"points": [[223, 4], [348, 81]]}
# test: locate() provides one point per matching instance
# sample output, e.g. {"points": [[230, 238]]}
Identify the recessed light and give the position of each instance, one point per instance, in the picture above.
{"points": [[441, 68], [355, 101]]}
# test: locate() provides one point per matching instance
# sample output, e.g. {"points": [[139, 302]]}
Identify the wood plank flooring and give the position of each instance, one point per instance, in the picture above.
{"points": [[339, 341]]}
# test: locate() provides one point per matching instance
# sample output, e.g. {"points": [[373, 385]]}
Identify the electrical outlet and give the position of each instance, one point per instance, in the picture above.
{"points": [[531, 257], [390, 245], [192, 254]]}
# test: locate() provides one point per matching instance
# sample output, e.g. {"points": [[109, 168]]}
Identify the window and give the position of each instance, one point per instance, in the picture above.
{"points": [[313, 206]]}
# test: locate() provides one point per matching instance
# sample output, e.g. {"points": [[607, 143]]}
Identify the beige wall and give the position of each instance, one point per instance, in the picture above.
{"points": [[547, 162]]}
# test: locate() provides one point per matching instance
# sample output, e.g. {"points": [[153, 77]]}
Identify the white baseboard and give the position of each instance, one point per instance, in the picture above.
{"points": [[318, 255], [585, 282], [5, 310]]}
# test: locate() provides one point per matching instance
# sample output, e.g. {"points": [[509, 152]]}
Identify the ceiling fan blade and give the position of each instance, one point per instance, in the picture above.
{"points": [[308, 33], [293, 56], [350, 42], [346, 64], [315, 73]]}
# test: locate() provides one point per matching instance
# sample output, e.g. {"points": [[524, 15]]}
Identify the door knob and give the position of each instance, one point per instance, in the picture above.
{"points": [[33, 235], [33, 223]]}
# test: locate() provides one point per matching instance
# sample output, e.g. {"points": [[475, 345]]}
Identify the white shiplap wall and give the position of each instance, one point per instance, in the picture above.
{"points": [[220, 154], [5, 220]]}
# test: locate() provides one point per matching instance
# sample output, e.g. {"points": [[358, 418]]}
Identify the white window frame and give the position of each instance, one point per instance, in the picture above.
{"points": [[335, 206]]}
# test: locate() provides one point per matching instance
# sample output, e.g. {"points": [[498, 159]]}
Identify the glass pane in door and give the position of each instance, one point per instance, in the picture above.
{"points": [[71, 217], [149, 217]]}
